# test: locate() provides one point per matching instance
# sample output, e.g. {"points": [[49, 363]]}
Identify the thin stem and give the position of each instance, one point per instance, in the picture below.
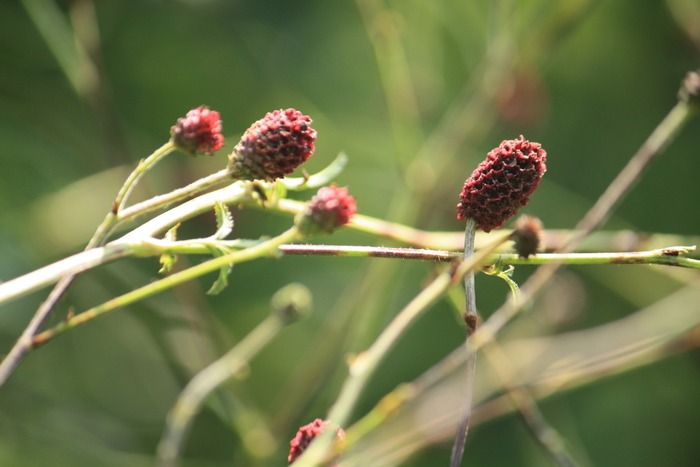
{"points": [[266, 248], [661, 137], [469, 288], [134, 177], [548, 438], [111, 219], [192, 397], [523, 400], [365, 364], [24, 343], [86, 260], [552, 239], [470, 318], [599, 355], [230, 194], [233, 193], [53, 272], [162, 201], [223, 177]]}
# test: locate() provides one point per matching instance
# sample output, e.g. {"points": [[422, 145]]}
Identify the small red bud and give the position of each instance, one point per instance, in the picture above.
{"points": [[527, 235], [307, 433], [331, 208], [198, 132]]}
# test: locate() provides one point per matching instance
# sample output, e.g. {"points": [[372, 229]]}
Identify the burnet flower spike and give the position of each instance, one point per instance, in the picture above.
{"points": [[273, 146], [198, 132], [332, 207], [502, 183], [307, 433], [495, 191]]}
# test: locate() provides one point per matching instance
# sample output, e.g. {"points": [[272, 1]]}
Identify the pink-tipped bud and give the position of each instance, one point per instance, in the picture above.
{"points": [[502, 183], [307, 433], [273, 146], [331, 208], [198, 132]]}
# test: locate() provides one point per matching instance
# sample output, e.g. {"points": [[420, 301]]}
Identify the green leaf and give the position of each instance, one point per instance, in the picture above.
{"points": [[221, 282], [224, 221]]}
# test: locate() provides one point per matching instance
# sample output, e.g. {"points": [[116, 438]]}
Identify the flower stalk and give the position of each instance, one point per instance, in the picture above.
{"points": [[364, 365]]}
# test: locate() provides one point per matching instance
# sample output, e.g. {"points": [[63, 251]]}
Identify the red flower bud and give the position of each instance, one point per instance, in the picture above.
{"points": [[331, 208], [502, 183], [307, 433], [199, 132], [273, 146], [527, 235]]}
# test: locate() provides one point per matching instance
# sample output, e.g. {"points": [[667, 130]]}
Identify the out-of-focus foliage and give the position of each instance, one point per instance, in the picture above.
{"points": [[415, 92]]}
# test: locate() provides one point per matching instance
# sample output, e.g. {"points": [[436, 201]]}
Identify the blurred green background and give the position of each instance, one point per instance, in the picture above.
{"points": [[415, 92]]}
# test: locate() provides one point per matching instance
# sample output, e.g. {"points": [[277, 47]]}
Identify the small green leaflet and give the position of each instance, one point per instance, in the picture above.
{"points": [[224, 226], [167, 260], [224, 221], [221, 282]]}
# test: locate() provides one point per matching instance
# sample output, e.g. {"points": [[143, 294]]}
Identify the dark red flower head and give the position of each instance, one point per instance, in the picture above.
{"points": [[331, 208], [502, 183], [273, 146], [198, 132], [307, 433]]}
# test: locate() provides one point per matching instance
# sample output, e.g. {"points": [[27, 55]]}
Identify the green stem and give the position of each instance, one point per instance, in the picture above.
{"points": [[167, 199], [24, 343], [548, 438], [654, 145], [233, 193], [365, 364], [80, 262], [83, 261], [112, 218], [643, 343], [69, 266], [205, 382], [135, 176], [222, 177], [268, 247]]}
